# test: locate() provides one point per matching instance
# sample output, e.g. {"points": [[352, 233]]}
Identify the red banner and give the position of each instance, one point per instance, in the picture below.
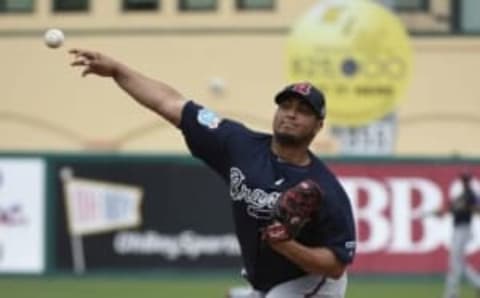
{"points": [[393, 206]]}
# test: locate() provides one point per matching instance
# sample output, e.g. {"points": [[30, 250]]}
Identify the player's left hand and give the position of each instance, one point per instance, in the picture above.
{"points": [[276, 232], [297, 206]]}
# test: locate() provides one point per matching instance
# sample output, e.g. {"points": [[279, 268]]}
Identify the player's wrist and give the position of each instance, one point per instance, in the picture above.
{"points": [[118, 71], [276, 232]]}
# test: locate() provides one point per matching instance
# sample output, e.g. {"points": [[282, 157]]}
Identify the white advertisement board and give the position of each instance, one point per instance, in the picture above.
{"points": [[96, 206], [22, 215]]}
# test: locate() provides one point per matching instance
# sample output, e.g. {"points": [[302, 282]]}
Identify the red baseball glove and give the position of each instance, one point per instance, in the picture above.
{"points": [[293, 209]]}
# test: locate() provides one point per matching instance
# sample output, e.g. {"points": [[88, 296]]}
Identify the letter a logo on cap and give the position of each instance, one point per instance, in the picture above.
{"points": [[302, 88]]}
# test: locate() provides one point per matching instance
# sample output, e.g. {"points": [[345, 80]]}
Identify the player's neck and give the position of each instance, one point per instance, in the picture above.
{"points": [[296, 155]]}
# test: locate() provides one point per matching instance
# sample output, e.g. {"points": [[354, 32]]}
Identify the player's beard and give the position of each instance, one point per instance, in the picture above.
{"points": [[289, 140]]}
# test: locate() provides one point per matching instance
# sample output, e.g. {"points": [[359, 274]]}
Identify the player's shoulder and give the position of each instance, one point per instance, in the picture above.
{"points": [[321, 168], [210, 118], [199, 121], [327, 179], [244, 133]]}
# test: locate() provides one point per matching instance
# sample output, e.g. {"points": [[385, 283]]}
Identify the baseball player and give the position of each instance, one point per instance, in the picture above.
{"points": [[292, 217], [462, 207]]}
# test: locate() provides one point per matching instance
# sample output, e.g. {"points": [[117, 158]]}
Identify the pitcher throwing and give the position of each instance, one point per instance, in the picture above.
{"points": [[292, 217]]}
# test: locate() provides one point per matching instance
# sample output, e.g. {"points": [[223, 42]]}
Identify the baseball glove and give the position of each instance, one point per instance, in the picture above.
{"points": [[293, 209]]}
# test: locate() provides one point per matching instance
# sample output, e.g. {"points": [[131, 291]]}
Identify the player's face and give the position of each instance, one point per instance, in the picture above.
{"points": [[295, 122]]}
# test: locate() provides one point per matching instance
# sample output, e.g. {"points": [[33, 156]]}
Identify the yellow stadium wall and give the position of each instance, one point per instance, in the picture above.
{"points": [[46, 105]]}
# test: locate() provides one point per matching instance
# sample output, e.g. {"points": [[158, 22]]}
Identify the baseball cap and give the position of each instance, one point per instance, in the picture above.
{"points": [[307, 92]]}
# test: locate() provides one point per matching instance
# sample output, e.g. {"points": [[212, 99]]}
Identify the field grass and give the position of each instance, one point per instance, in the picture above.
{"points": [[201, 287]]}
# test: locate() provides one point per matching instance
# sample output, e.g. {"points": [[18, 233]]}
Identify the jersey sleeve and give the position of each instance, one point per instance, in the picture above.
{"points": [[207, 135], [339, 232]]}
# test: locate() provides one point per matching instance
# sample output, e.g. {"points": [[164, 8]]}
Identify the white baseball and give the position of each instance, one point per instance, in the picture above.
{"points": [[54, 38]]}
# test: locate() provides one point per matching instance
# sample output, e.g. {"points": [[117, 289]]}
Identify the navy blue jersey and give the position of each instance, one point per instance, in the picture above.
{"points": [[256, 178], [462, 207]]}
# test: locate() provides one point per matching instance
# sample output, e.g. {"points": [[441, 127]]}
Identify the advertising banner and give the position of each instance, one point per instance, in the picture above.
{"points": [[95, 206], [394, 205], [187, 222], [358, 53], [22, 215], [185, 216]]}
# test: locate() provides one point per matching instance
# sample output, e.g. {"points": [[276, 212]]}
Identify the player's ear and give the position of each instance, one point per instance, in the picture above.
{"points": [[318, 125]]}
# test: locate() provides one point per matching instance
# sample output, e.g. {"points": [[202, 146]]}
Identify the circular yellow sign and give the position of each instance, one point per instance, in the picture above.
{"points": [[357, 52]]}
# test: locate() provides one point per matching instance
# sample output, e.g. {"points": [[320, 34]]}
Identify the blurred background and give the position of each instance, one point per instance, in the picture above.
{"points": [[99, 196]]}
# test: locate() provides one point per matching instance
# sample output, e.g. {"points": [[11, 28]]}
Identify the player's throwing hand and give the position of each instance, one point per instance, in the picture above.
{"points": [[94, 62]]}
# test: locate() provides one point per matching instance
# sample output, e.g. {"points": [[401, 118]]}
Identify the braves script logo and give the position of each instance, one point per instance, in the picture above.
{"points": [[259, 203], [302, 88]]}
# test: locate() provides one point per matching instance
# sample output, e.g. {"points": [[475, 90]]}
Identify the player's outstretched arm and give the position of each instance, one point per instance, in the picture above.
{"points": [[317, 260], [153, 94]]}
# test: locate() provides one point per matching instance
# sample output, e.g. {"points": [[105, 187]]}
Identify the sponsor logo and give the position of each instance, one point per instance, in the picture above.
{"points": [[12, 215], [96, 206], [187, 244], [336, 47], [387, 215]]}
